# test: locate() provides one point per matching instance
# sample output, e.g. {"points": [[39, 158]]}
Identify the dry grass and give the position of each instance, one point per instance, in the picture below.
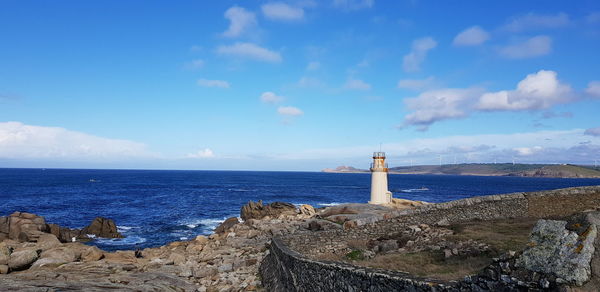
{"points": [[429, 264], [501, 235]]}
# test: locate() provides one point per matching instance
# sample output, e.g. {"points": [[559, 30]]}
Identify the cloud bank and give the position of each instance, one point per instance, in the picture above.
{"points": [[538, 91], [21, 141]]}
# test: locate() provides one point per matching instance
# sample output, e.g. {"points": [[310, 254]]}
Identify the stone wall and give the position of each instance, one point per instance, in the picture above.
{"points": [[544, 204], [290, 265]]}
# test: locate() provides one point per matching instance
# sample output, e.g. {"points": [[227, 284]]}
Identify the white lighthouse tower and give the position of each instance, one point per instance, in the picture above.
{"points": [[379, 180]]}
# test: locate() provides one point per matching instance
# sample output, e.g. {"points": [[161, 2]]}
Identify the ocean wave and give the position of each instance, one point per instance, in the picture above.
{"points": [[206, 223], [129, 240], [123, 228], [330, 204], [239, 190]]}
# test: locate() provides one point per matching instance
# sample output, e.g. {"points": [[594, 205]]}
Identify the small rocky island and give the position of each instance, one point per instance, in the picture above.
{"points": [[538, 241]]}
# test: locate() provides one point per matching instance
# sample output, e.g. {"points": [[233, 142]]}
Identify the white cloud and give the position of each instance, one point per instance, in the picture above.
{"points": [[534, 47], [213, 83], [357, 84], [593, 132], [195, 64], [565, 146], [540, 90], [412, 61], [593, 89], [471, 36], [534, 21], [250, 51], [353, 4], [313, 66], [435, 105], [20, 141], [289, 111], [527, 151], [417, 84], [270, 97], [240, 21], [202, 153], [282, 11]]}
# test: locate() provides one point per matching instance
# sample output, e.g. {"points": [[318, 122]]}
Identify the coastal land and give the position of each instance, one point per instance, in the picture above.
{"points": [[535, 241], [488, 169]]}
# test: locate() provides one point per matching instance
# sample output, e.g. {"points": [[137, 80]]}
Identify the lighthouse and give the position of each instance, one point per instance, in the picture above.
{"points": [[379, 180]]}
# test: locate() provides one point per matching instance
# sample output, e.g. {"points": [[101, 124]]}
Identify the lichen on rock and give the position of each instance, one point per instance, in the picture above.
{"points": [[556, 250]]}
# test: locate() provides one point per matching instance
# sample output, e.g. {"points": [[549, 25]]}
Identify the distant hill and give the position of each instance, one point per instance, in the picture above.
{"points": [[346, 169], [491, 169]]}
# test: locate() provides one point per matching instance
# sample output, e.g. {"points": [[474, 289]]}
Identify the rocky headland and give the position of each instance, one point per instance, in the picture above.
{"points": [[281, 247]]}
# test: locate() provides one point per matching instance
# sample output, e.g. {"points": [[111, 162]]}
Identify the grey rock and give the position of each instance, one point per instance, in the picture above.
{"points": [[21, 260], [556, 250]]}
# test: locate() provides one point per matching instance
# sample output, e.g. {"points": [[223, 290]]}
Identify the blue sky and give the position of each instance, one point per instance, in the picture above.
{"points": [[297, 85]]}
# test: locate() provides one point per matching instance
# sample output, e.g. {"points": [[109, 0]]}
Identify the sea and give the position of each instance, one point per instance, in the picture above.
{"points": [[155, 207]]}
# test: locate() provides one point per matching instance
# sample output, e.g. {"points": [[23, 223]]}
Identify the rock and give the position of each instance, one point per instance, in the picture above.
{"points": [[257, 210], [320, 224], [102, 227], [47, 241], [63, 254], [177, 258], [47, 262], [307, 210], [230, 222], [388, 245], [22, 226], [21, 260], [3, 269], [401, 204], [65, 234], [92, 254], [555, 250], [201, 239], [4, 254], [225, 267], [443, 223]]}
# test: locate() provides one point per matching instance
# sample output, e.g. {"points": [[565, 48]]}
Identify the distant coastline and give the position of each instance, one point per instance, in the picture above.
{"points": [[488, 169]]}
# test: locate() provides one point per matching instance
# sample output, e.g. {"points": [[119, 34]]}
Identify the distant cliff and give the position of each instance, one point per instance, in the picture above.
{"points": [[490, 169]]}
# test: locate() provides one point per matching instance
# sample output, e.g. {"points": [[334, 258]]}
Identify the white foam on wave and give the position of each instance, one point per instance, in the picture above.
{"points": [[329, 204], [123, 228], [129, 240]]}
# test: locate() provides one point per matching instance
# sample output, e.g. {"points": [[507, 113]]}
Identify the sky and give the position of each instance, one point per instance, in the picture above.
{"points": [[297, 85]]}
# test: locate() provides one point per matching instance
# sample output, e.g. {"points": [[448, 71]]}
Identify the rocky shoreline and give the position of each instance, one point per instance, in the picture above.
{"points": [[35, 256]]}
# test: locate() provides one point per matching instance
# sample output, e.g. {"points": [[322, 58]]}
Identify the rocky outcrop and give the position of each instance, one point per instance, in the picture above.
{"points": [[226, 225], [102, 227], [257, 210], [224, 261], [22, 226]]}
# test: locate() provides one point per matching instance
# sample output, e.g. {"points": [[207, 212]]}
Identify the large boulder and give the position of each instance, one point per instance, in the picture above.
{"points": [[21, 260], [47, 241], [102, 227], [223, 227], [4, 254], [554, 249], [65, 254], [65, 234], [22, 226], [307, 210], [257, 210]]}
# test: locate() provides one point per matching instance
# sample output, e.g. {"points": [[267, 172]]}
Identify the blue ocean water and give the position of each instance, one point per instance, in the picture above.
{"points": [[154, 207]]}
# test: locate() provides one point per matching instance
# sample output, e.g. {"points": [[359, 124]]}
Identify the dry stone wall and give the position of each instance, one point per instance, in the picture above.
{"points": [[290, 265]]}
